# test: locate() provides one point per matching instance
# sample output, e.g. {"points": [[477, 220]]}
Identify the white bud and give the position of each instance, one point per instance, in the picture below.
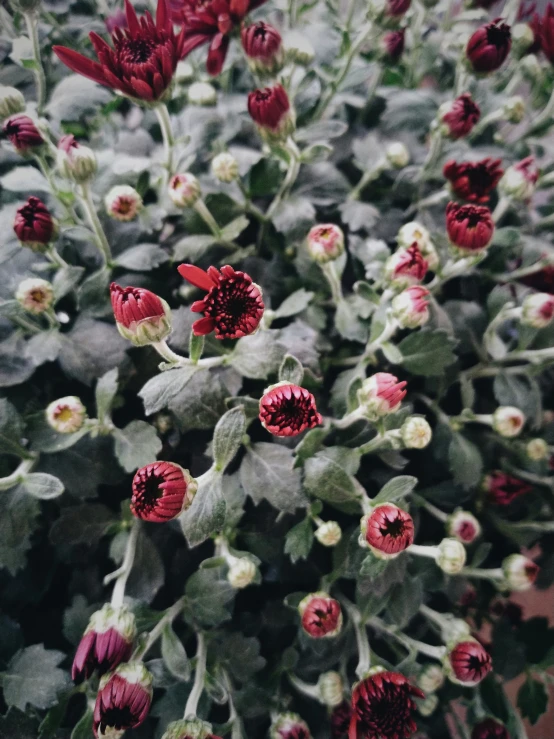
{"points": [[329, 534], [397, 155], [225, 167], [519, 572], [35, 295], [123, 203], [518, 181], [298, 48], [184, 73], [75, 161], [331, 688], [531, 67], [242, 573], [463, 526], [380, 395], [451, 556], [455, 631], [11, 101], [428, 705], [184, 190], [325, 242], [522, 38], [202, 93], [66, 415], [537, 449], [538, 310], [416, 433], [508, 421], [514, 109], [414, 232], [431, 678]]}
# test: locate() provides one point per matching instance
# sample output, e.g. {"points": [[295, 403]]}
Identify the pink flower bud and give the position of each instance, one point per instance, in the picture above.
{"points": [[141, 316], [325, 242], [263, 47], [468, 662], [123, 203], [288, 410], [538, 310], [406, 267], [289, 726], [162, 491], [271, 112], [35, 295], [392, 45], [123, 700], [388, 530], [33, 225], [489, 46], [519, 181], [184, 190], [411, 307], [463, 526], [22, 133], [381, 394], [519, 572], [106, 643], [66, 415], [75, 162], [321, 615]]}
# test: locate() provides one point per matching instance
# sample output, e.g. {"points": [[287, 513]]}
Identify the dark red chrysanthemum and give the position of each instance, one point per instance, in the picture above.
{"points": [[389, 529], [262, 43], [22, 132], [340, 719], [545, 26], [143, 59], [392, 44], [131, 305], [211, 21], [489, 46], [489, 729], [503, 489], [397, 8], [469, 227], [470, 662], [161, 492], [473, 181], [321, 615], [106, 643], [33, 224], [233, 306], [288, 410], [270, 109], [461, 116], [123, 699], [382, 707]]}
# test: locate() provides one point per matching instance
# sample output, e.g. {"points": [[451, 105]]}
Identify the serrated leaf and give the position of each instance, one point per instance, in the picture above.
{"points": [[325, 479], [295, 303], [258, 355], [33, 677], [532, 699], [405, 601], [427, 352], [11, 429], [291, 370], [299, 540], [395, 489], [267, 472], [207, 512], [466, 463], [228, 435], [161, 389], [174, 655], [209, 597], [142, 257], [18, 514], [136, 445]]}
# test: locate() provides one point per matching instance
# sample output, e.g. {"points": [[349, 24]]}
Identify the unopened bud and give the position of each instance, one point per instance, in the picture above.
{"points": [[184, 73], [188, 728], [74, 161], [411, 307], [508, 421], [397, 155], [463, 526], [11, 101], [241, 573], [325, 242], [331, 688], [531, 68], [202, 93], [514, 109], [225, 167], [35, 295], [66, 415], [451, 556], [519, 180], [428, 705], [414, 233], [522, 39], [519, 572], [184, 190], [406, 267], [416, 433], [299, 49], [537, 449], [431, 678], [538, 310], [329, 533], [288, 726], [123, 203], [381, 394]]}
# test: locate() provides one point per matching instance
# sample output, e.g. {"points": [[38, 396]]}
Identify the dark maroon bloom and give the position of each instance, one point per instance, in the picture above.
{"points": [[263, 45], [117, 20], [393, 43], [469, 227], [123, 699], [321, 615], [382, 707], [106, 643], [211, 21], [142, 61], [389, 529], [489, 729], [270, 110], [233, 306], [141, 316], [473, 181], [288, 410], [22, 133], [503, 489], [489, 46], [470, 662], [340, 719], [460, 116], [33, 224], [161, 492], [397, 8], [543, 280], [545, 26]]}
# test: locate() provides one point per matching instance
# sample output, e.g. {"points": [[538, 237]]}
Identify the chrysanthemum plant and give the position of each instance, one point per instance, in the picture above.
{"points": [[276, 338]]}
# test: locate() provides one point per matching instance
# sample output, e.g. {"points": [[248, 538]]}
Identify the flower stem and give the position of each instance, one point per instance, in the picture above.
{"points": [[124, 571], [501, 208], [169, 616], [366, 178], [162, 114], [199, 675], [17, 475], [372, 446], [100, 236], [56, 259], [203, 211], [32, 30], [176, 360], [411, 644], [492, 575], [304, 688], [334, 282], [290, 178]]}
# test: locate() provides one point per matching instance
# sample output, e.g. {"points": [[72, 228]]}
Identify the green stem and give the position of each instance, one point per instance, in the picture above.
{"points": [[501, 208], [290, 178], [54, 256], [162, 114], [169, 616], [18, 475], [542, 118], [31, 21], [366, 178], [372, 446], [202, 209], [47, 173], [334, 282], [491, 575], [94, 221], [411, 644], [176, 360], [118, 593], [199, 676]]}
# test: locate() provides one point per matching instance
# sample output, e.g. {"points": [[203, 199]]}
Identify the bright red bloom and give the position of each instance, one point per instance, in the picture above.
{"points": [[141, 316], [143, 59], [288, 410], [546, 32], [389, 529], [397, 8], [503, 489], [33, 224], [321, 615], [340, 719], [161, 492], [470, 662], [123, 699], [233, 306], [22, 132], [489, 46], [382, 706], [460, 116], [263, 44], [469, 227], [211, 21], [489, 729], [473, 181], [392, 44], [270, 109], [106, 643]]}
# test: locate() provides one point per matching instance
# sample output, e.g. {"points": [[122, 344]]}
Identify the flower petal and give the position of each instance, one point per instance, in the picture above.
{"points": [[81, 64], [195, 276]]}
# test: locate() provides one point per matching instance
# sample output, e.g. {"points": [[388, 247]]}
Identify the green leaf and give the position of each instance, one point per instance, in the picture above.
{"points": [[148, 573], [11, 429], [43, 438], [24, 179], [80, 526], [17, 725], [228, 435], [326, 480], [310, 445], [191, 248], [532, 699], [405, 601], [66, 279], [142, 257], [295, 303], [267, 472], [321, 131], [209, 598], [427, 352], [348, 323], [174, 655], [466, 463], [83, 728], [90, 349], [42, 486], [136, 445], [258, 355], [18, 514], [299, 540], [161, 389], [291, 370], [372, 566], [233, 230], [106, 390], [33, 677], [196, 346], [201, 403], [395, 489], [207, 512]]}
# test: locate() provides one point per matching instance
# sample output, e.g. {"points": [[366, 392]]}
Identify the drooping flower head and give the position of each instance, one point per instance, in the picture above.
{"points": [[489, 728], [233, 306], [473, 181], [406, 267], [162, 491], [140, 315], [33, 225], [383, 707], [288, 410], [321, 615], [388, 530], [340, 719], [502, 489], [271, 112], [263, 47], [123, 700], [289, 726], [143, 59], [470, 227], [459, 116], [468, 662], [381, 394], [411, 307], [489, 46], [106, 643], [22, 133]]}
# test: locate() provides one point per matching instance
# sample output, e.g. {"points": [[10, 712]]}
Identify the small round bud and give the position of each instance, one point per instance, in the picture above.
{"points": [[387, 530], [463, 526], [35, 295], [23, 133], [34, 225], [428, 705], [519, 180], [321, 615], [202, 93], [66, 415], [467, 663], [514, 109], [328, 534], [538, 310], [519, 572], [397, 155], [508, 421], [241, 573], [325, 242], [141, 316], [380, 395], [123, 203], [75, 162], [184, 73], [431, 678], [522, 39], [189, 728], [184, 190], [299, 49], [225, 167], [416, 433], [289, 726], [406, 267], [11, 101], [411, 307], [531, 68], [537, 450], [451, 556], [331, 688]]}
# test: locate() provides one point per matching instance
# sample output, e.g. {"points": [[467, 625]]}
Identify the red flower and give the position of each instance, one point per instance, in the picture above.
{"points": [[321, 615], [393, 43], [233, 306], [469, 662], [106, 643], [388, 529], [33, 224], [489, 46], [503, 489], [546, 32], [382, 706], [489, 729], [288, 410], [397, 8], [460, 116], [161, 492], [143, 59], [123, 699], [469, 227], [210, 21], [406, 266], [141, 316], [340, 720], [473, 181], [270, 110], [263, 46], [22, 133]]}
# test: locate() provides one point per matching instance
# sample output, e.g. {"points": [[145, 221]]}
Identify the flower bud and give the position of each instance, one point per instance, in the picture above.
{"points": [[288, 410], [123, 203], [123, 700], [75, 162], [299, 49], [489, 729], [35, 295], [162, 491], [414, 233], [321, 615], [431, 678], [519, 572], [271, 112], [514, 109], [34, 226], [451, 556], [508, 421], [328, 534], [538, 310], [289, 726], [263, 47], [467, 663], [397, 155], [387, 530], [11, 101], [456, 630], [428, 705], [141, 316], [406, 267], [463, 526], [380, 395], [531, 68], [411, 307], [225, 167], [391, 45], [184, 73], [458, 117], [489, 46], [502, 489], [184, 190], [470, 228], [242, 573], [519, 180], [202, 93], [537, 450], [523, 39], [325, 242], [416, 433], [22, 133], [66, 415], [189, 728], [106, 643], [331, 688]]}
